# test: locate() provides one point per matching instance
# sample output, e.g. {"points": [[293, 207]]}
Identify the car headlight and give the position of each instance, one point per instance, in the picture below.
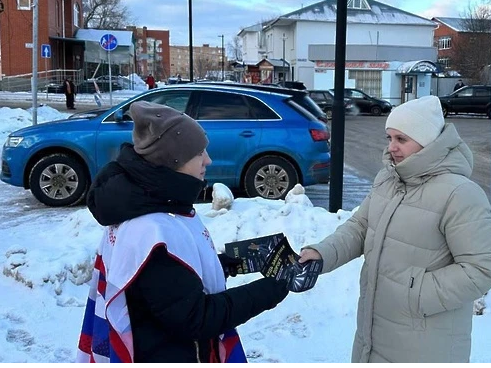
{"points": [[13, 141]]}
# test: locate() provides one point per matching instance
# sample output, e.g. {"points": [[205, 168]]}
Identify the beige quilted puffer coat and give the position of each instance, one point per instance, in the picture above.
{"points": [[425, 233]]}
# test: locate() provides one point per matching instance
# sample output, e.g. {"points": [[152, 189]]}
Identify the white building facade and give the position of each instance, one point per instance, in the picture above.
{"points": [[389, 52]]}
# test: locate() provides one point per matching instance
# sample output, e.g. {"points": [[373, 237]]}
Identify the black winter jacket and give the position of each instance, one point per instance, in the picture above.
{"points": [[172, 319]]}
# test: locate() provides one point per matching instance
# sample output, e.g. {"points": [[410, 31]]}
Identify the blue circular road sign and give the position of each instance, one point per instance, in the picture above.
{"points": [[108, 42]]}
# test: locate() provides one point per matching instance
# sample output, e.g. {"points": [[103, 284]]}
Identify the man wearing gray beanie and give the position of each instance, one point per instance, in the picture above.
{"points": [[424, 232], [165, 136], [158, 291]]}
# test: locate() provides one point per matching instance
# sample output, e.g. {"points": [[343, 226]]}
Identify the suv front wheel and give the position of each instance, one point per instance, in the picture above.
{"points": [[270, 177], [58, 180]]}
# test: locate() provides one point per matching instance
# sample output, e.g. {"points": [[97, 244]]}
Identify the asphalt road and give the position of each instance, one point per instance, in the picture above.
{"points": [[365, 140]]}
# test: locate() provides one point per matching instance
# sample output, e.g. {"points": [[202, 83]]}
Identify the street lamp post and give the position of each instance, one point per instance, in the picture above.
{"points": [[223, 60], [191, 66], [284, 74]]}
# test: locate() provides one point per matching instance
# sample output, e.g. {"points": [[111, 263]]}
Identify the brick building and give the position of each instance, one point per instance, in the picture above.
{"points": [[206, 59], [152, 52], [463, 44], [58, 22]]}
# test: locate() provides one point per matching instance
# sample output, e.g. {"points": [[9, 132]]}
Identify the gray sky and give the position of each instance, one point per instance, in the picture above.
{"points": [[212, 18]]}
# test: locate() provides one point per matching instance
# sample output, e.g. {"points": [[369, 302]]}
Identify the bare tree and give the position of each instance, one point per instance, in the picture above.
{"points": [[235, 49], [471, 52], [202, 65], [105, 14]]}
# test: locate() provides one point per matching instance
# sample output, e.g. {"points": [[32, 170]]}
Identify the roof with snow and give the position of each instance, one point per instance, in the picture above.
{"points": [[465, 24], [376, 13]]}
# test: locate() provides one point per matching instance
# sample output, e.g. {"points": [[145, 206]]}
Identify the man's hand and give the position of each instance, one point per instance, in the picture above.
{"points": [[229, 264]]}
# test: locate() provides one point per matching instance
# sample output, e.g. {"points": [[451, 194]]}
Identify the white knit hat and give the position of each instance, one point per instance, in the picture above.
{"points": [[421, 119]]}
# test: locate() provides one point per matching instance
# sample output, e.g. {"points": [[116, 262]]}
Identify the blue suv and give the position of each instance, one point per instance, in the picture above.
{"points": [[261, 142]]}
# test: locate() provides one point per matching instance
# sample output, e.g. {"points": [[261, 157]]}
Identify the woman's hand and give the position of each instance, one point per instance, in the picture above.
{"points": [[308, 255]]}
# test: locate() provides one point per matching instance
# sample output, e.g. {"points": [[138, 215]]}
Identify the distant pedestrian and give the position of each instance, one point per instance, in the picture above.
{"points": [[150, 81], [70, 91], [458, 85]]}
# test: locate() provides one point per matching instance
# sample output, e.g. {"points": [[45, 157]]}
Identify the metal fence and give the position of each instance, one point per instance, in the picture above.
{"points": [[53, 78]]}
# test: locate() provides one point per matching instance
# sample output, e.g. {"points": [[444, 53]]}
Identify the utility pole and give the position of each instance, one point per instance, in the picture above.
{"points": [[34, 79], [223, 59], [191, 77]]}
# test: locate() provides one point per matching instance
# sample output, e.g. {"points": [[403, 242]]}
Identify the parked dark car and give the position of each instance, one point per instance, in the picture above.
{"points": [[469, 99], [325, 100], [175, 80], [294, 85], [288, 84], [366, 104], [88, 86], [261, 142], [54, 88]]}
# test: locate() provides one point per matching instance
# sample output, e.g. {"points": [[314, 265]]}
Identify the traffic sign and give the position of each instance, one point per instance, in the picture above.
{"points": [[45, 51], [108, 42]]}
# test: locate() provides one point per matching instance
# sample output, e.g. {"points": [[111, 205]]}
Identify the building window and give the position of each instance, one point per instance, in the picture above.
{"points": [[24, 4], [369, 81], [358, 4], [445, 62], [444, 43], [76, 15]]}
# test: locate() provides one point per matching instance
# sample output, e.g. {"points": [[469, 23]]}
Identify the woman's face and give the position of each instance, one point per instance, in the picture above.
{"points": [[401, 146], [197, 165]]}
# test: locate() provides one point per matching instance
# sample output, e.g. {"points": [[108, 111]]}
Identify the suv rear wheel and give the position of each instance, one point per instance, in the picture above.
{"points": [[58, 180], [270, 177]]}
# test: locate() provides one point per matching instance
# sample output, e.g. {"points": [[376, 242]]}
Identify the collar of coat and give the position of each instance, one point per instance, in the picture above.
{"points": [[131, 187]]}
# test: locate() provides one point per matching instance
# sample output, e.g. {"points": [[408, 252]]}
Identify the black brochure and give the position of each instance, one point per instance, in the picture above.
{"points": [[273, 256]]}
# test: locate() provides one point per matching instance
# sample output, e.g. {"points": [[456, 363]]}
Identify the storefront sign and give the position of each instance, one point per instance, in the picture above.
{"points": [[354, 64], [424, 67]]}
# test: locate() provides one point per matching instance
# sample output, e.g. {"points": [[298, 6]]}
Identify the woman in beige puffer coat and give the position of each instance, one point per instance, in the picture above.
{"points": [[425, 233]]}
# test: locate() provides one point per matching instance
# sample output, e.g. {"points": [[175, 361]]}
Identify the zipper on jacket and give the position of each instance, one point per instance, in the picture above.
{"points": [[411, 282], [196, 345]]}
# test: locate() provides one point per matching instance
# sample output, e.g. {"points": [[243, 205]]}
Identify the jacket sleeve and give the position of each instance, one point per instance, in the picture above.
{"points": [[175, 296], [466, 224], [347, 242]]}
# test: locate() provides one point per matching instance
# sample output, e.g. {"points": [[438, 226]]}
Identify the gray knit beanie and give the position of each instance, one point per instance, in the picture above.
{"points": [[165, 136]]}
